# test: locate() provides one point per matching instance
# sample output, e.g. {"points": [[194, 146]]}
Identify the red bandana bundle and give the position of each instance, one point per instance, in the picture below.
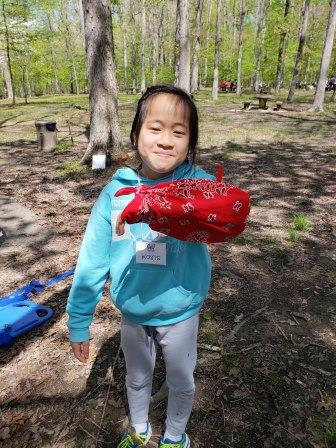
{"points": [[196, 210]]}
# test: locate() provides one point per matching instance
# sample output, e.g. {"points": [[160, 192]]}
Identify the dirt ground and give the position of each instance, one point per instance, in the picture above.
{"points": [[267, 347]]}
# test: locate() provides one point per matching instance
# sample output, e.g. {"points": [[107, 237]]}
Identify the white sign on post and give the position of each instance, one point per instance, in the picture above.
{"points": [[99, 161]]}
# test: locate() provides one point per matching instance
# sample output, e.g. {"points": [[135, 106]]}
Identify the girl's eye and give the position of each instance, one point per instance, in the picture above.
{"points": [[179, 132], [154, 129]]}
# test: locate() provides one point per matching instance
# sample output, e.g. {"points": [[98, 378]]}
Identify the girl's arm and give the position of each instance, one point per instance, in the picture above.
{"points": [[92, 270]]}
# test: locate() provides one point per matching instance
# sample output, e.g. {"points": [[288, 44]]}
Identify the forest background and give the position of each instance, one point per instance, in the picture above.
{"points": [[47, 51]]}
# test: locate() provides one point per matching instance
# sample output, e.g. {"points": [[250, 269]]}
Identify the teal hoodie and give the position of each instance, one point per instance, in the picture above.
{"points": [[147, 294]]}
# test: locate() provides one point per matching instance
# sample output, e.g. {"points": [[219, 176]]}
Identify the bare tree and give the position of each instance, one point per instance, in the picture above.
{"points": [[133, 46], [184, 54], [123, 17], [259, 41], [143, 41], [240, 44], [68, 39], [6, 75], [58, 89], [177, 46], [155, 27], [8, 63], [216, 57], [302, 39], [162, 37], [325, 62], [281, 52], [81, 18], [197, 44], [207, 44], [105, 132]]}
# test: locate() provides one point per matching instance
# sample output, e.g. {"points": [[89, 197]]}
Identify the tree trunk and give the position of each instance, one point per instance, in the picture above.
{"points": [[260, 35], [302, 39], [306, 71], [207, 45], [325, 62], [53, 58], [240, 45], [155, 40], [281, 52], [8, 64], [81, 18], [133, 52], [7, 77], [24, 85], [28, 84], [161, 38], [69, 45], [105, 134], [143, 38], [123, 15], [177, 46], [184, 59], [216, 56], [197, 44]]}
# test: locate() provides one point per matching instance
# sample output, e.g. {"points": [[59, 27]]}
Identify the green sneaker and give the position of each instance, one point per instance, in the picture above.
{"points": [[131, 439], [183, 443]]}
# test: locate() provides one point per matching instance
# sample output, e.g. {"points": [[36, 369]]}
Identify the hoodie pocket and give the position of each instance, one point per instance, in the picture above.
{"points": [[151, 292]]}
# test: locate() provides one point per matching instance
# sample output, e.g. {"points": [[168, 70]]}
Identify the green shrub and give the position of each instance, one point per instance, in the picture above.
{"points": [[73, 169], [63, 145], [300, 222], [282, 254], [243, 240]]}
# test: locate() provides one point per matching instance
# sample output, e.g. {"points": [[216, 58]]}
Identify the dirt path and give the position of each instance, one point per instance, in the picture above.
{"points": [[271, 308]]}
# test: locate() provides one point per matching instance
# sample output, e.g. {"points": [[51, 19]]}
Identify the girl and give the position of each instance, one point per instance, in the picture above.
{"points": [[159, 296]]}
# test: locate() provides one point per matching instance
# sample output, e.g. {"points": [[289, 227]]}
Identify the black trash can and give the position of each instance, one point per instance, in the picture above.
{"points": [[46, 134]]}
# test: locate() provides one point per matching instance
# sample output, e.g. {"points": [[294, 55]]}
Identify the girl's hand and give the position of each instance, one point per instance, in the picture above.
{"points": [[81, 350], [120, 226]]}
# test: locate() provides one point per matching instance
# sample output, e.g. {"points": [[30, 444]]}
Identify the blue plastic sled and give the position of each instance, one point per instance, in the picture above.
{"points": [[18, 314], [19, 317]]}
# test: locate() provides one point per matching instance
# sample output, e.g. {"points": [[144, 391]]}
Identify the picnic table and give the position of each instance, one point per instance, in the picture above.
{"points": [[263, 98]]}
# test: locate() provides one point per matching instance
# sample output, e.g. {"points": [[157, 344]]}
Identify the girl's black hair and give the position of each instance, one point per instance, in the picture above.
{"points": [[142, 111]]}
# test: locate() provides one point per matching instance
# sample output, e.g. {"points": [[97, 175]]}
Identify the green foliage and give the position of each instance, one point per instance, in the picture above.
{"points": [[270, 239], [73, 169], [293, 235], [63, 145], [48, 53], [210, 335], [282, 254], [327, 429], [232, 359], [300, 222], [243, 240], [207, 315]]}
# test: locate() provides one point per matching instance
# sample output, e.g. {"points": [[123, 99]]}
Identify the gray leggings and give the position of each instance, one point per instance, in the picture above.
{"points": [[179, 347]]}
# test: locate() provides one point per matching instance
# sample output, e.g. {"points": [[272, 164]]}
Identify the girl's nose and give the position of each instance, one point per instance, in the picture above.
{"points": [[165, 140]]}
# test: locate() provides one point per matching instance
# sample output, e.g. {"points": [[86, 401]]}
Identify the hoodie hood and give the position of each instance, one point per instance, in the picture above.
{"points": [[130, 176]]}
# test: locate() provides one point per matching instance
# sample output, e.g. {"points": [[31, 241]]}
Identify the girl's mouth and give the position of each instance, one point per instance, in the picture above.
{"points": [[163, 155]]}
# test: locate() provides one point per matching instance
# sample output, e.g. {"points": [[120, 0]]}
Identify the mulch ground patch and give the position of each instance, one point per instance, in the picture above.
{"points": [[266, 370]]}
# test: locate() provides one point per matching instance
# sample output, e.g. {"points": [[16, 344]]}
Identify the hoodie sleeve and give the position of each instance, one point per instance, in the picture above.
{"points": [[91, 272]]}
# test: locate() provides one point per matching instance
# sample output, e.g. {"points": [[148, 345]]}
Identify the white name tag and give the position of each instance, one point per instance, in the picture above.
{"points": [[99, 161], [150, 252]]}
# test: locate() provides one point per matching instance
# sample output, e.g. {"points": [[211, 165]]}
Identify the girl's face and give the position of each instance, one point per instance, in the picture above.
{"points": [[164, 136]]}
